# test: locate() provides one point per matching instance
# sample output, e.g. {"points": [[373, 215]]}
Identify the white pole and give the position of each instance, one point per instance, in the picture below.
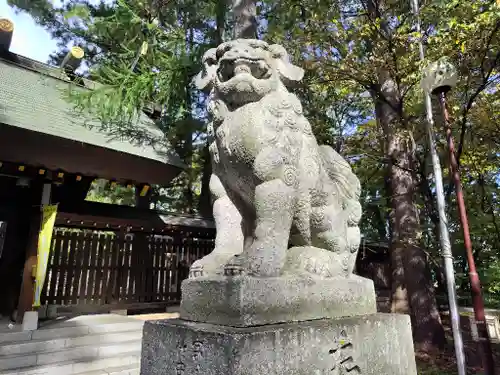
{"points": [[444, 235]]}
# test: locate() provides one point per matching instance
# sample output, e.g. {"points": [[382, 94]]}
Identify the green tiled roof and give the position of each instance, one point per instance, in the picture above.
{"points": [[32, 98]]}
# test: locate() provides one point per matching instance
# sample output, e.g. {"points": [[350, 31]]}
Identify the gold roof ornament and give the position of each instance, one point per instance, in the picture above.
{"points": [[73, 59], [6, 32]]}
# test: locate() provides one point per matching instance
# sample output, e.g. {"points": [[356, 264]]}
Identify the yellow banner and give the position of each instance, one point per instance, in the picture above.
{"points": [[44, 242]]}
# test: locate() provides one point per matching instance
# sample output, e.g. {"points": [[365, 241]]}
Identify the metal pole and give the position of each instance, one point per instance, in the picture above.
{"points": [[444, 236], [477, 298]]}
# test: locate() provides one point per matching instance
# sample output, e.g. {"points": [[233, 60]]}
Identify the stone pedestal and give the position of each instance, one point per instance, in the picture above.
{"points": [[249, 301], [375, 344], [288, 325]]}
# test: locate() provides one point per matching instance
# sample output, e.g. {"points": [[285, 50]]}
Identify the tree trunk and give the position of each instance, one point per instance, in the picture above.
{"points": [[245, 19], [205, 201], [419, 296], [245, 26], [404, 216], [398, 182], [188, 195], [412, 290]]}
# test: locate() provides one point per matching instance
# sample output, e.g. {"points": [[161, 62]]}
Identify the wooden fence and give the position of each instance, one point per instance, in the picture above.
{"points": [[91, 269]]}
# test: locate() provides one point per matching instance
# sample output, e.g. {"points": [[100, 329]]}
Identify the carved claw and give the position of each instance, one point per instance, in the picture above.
{"points": [[196, 271], [211, 265]]}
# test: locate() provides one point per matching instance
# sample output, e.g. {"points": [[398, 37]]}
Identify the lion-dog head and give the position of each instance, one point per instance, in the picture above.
{"points": [[246, 70]]}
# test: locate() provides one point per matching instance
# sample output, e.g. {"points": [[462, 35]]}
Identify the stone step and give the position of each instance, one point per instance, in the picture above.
{"points": [[69, 331], [39, 346], [51, 333], [124, 364], [15, 336], [78, 353]]}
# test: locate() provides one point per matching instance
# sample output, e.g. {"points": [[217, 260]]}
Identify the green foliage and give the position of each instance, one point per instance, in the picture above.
{"points": [[434, 371], [346, 49], [491, 283], [105, 191], [141, 54]]}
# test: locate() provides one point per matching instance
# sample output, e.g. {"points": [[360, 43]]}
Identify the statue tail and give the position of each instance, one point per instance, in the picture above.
{"points": [[339, 170], [347, 183]]}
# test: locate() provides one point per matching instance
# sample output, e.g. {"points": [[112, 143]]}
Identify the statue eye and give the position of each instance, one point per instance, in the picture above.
{"points": [[222, 49]]}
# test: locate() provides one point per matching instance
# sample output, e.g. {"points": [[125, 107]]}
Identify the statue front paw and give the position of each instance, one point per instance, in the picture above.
{"points": [[210, 265]]}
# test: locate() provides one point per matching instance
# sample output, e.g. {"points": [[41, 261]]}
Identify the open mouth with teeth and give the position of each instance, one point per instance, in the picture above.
{"points": [[230, 68]]}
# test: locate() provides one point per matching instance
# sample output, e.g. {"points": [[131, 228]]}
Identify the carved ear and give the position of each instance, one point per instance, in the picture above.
{"points": [[289, 73], [204, 79]]}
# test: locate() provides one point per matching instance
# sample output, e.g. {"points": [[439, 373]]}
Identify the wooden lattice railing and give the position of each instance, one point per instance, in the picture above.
{"points": [[94, 268]]}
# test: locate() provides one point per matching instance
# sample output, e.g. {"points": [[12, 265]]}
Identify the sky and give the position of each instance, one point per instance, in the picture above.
{"points": [[29, 39]]}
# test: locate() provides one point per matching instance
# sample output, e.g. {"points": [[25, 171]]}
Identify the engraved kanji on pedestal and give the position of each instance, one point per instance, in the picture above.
{"points": [[343, 362]]}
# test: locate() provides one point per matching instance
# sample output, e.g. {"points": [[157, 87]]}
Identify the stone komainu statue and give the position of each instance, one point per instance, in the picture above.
{"points": [[273, 186]]}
